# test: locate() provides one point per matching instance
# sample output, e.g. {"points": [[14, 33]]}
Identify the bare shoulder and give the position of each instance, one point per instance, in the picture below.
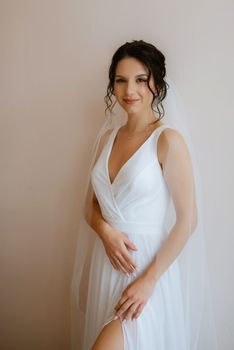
{"points": [[173, 141], [171, 136]]}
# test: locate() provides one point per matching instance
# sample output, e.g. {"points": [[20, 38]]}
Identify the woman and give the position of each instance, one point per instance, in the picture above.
{"points": [[131, 283]]}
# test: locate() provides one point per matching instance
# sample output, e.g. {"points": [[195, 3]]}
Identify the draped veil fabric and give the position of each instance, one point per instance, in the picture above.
{"points": [[179, 314]]}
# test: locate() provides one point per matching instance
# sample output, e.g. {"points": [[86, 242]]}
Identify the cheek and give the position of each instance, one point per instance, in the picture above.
{"points": [[148, 95], [117, 91]]}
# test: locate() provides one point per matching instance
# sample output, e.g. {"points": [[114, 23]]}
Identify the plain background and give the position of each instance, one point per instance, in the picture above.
{"points": [[54, 61]]}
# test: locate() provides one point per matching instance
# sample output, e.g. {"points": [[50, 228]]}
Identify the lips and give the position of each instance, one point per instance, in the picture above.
{"points": [[130, 100]]}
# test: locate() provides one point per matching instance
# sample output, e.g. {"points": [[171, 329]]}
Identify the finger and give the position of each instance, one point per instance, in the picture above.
{"points": [[125, 264], [130, 244], [130, 260], [116, 261], [132, 268], [121, 301], [120, 266], [130, 311], [113, 263], [123, 307], [138, 311]]}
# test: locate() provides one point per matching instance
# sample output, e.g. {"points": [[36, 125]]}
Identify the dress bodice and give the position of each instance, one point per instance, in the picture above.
{"points": [[139, 195]]}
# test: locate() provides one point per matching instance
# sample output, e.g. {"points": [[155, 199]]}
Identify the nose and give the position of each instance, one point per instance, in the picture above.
{"points": [[130, 88]]}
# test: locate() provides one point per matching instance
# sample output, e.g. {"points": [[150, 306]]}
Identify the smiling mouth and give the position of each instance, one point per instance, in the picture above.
{"points": [[130, 101]]}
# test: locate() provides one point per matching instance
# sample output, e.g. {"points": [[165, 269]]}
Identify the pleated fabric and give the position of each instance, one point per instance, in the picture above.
{"points": [[136, 203]]}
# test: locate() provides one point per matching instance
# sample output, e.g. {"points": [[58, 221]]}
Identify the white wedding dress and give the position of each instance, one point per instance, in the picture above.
{"points": [[136, 204]]}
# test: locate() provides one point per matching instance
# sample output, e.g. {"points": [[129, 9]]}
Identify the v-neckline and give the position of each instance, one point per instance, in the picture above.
{"points": [[112, 139]]}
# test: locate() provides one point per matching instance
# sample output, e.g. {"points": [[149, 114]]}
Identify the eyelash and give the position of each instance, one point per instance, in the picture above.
{"points": [[120, 80]]}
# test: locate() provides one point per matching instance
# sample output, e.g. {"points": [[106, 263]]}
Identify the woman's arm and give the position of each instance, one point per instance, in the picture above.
{"points": [[178, 173], [95, 219], [114, 241], [92, 213], [177, 169]]}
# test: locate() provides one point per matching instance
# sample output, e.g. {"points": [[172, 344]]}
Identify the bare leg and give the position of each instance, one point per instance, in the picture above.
{"points": [[110, 337]]}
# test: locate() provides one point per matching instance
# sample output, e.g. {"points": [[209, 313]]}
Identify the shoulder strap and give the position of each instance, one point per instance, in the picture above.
{"points": [[161, 128]]}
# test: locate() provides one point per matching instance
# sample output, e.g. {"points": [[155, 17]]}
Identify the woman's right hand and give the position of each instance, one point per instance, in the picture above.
{"points": [[116, 244]]}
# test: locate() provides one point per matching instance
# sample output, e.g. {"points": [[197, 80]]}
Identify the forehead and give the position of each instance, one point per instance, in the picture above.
{"points": [[131, 66]]}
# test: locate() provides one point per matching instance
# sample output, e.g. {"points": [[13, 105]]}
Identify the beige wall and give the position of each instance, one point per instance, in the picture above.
{"points": [[54, 59]]}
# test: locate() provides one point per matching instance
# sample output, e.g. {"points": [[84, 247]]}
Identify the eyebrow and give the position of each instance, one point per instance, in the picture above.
{"points": [[139, 75]]}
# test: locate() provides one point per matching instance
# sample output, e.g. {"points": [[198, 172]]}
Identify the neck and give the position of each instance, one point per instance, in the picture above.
{"points": [[140, 122]]}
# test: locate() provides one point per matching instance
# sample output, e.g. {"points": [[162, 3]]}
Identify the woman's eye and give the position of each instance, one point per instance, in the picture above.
{"points": [[141, 80]]}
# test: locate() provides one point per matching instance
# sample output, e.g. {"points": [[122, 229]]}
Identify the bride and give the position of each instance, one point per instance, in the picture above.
{"points": [[132, 282]]}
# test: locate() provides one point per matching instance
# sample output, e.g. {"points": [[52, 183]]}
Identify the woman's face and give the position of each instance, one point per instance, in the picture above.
{"points": [[130, 86]]}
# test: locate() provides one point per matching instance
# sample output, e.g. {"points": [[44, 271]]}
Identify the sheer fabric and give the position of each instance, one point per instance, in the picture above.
{"points": [[190, 266]]}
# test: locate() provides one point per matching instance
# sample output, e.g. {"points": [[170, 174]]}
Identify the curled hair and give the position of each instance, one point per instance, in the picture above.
{"points": [[153, 59]]}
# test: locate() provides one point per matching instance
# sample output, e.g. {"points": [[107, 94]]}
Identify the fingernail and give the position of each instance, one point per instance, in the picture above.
{"points": [[127, 274], [115, 318]]}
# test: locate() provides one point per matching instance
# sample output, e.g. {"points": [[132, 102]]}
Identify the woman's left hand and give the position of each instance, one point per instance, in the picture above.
{"points": [[134, 297]]}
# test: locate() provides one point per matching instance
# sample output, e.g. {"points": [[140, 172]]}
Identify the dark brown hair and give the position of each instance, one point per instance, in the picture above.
{"points": [[153, 59]]}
